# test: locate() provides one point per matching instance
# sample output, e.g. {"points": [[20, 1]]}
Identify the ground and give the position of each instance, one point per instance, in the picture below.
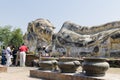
{"points": [[17, 73], [23, 73]]}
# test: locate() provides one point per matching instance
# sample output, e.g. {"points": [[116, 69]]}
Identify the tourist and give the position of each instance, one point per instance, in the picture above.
{"points": [[64, 54], [23, 49], [44, 52], [8, 55], [3, 56], [14, 53], [17, 62]]}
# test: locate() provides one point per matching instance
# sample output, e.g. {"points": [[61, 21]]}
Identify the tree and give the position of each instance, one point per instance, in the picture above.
{"points": [[5, 34], [16, 37]]}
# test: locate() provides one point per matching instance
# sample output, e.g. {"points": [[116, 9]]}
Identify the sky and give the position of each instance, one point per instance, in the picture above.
{"points": [[18, 13]]}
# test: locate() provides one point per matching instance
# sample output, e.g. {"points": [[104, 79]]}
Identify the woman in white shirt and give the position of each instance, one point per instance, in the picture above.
{"points": [[8, 56]]}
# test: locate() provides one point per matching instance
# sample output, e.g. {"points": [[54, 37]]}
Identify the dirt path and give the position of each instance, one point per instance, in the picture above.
{"points": [[23, 73], [113, 70], [17, 73]]}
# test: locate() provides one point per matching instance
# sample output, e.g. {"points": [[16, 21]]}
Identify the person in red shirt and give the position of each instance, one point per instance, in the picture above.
{"points": [[23, 49]]}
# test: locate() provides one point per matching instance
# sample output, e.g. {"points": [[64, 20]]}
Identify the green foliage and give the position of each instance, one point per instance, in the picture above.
{"points": [[16, 37], [7, 36]]}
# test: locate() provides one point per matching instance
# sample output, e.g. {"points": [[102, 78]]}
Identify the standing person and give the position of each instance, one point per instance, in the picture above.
{"points": [[8, 55], [3, 56], [14, 53], [44, 52], [23, 49]]}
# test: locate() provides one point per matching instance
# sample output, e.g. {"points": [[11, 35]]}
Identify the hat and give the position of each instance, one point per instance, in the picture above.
{"points": [[43, 46]]}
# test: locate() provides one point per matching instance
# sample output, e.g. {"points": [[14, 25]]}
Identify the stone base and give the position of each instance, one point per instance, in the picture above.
{"points": [[3, 69], [29, 59], [49, 75]]}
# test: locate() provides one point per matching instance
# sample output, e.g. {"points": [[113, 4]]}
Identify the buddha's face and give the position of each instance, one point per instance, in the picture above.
{"points": [[42, 29], [40, 33]]}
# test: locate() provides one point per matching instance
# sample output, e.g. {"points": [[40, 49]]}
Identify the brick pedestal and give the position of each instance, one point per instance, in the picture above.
{"points": [[29, 59], [49, 75], [3, 69]]}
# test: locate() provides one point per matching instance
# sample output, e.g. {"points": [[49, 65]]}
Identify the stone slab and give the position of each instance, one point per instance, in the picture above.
{"points": [[49, 75], [3, 69]]}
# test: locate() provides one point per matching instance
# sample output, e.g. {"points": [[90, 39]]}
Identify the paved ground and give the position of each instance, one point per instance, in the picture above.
{"points": [[17, 73], [113, 74], [22, 73]]}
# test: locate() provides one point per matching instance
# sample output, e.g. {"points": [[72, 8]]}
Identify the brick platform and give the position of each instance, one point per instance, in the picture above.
{"points": [[49, 75], [29, 59], [3, 69]]}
